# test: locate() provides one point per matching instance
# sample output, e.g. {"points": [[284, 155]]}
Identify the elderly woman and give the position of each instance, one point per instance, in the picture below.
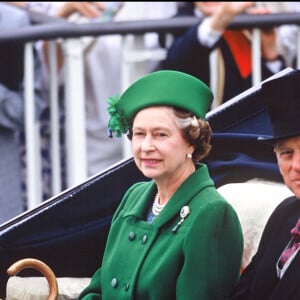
{"points": [[174, 236]]}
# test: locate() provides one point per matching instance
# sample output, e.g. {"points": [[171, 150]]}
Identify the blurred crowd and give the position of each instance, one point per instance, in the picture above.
{"points": [[189, 52]]}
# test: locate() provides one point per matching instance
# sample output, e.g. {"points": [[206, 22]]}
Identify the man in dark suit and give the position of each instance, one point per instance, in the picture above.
{"points": [[274, 271]]}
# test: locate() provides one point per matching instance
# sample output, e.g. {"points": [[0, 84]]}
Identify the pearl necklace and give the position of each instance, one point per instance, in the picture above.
{"points": [[156, 207]]}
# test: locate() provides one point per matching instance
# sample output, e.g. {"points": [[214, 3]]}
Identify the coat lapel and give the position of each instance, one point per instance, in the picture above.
{"points": [[289, 285]]}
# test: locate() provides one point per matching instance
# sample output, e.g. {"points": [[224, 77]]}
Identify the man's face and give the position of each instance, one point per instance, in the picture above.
{"points": [[288, 158]]}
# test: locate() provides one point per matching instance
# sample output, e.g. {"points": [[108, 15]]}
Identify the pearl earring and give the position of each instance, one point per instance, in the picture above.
{"points": [[189, 155]]}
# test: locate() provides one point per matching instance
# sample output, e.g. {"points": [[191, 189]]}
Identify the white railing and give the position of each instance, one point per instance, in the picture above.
{"points": [[134, 64]]}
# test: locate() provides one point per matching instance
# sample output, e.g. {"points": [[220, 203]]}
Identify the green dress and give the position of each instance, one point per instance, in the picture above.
{"points": [[198, 259]]}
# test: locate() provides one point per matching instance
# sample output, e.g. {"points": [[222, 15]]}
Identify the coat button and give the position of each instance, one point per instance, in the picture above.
{"points": [[127, 287], [114, 282], [144, 239], [131, 236]]}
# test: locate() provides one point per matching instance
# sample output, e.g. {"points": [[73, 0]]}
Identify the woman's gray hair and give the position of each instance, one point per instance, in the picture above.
{"points": [[196, 131], [189, 121]]}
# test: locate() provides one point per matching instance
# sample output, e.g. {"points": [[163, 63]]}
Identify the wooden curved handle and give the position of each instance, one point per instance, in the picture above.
{"points": [[38, 265]]}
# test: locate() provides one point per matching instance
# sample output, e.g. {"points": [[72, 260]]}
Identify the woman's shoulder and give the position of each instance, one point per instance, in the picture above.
{"points": [[138, 186], [137, 190]]}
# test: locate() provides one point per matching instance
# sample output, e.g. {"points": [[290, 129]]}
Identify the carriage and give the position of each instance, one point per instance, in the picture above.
{"points": [[68, 232]]}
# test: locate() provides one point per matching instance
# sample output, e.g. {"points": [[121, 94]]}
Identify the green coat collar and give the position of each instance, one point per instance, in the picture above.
{"points": [[139, 202]]}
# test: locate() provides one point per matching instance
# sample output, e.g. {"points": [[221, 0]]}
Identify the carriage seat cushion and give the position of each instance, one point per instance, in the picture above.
{"points": [[36, 288], [254, 202]]}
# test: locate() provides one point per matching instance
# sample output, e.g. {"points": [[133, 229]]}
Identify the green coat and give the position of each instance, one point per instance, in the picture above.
{"points": [[201, 260]]}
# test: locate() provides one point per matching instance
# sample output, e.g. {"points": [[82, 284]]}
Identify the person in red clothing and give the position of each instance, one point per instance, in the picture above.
{"points": [[190, 51]]}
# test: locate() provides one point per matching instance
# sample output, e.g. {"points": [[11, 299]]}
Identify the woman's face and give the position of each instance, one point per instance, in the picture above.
{"points": [[159, 150], [288, 158]]}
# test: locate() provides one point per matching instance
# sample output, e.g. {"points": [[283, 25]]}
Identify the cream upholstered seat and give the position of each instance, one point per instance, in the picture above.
{"points": [[36, 288], [254, 202]]}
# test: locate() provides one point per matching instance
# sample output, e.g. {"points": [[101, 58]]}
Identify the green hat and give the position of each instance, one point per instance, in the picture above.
{"points": [[171, 88]]}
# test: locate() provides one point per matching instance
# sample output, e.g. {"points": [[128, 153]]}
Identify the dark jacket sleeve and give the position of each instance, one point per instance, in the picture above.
{"points": [[187, 55]]}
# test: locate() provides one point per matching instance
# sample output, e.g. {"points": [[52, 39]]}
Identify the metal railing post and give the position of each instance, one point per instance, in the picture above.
{"points": [[33, 157], [256, 56], [298, 48], [54, 120], [75, 112]]}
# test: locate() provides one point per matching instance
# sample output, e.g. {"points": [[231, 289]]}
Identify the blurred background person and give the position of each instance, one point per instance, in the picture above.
{"points": [[12, 171], [190, 52]]}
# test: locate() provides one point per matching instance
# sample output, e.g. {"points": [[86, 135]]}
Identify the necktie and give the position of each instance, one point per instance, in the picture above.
{"points": [[292, 247]]}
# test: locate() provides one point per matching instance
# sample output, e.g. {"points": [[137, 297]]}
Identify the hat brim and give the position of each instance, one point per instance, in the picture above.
{"points": [[273, 140]]}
